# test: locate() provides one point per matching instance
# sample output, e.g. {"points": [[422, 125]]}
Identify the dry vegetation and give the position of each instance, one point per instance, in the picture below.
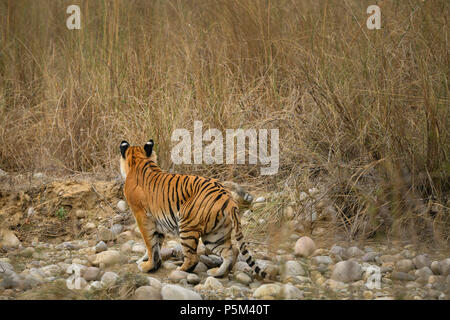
{"points": [[362, 113]]}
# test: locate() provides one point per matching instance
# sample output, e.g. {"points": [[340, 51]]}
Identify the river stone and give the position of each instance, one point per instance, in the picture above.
{"points": [[271, 289], [116, 229], [444, 267], [290, 292], [369, 256], [353, 252], [421, 261], [212, 283], [322, 260], [147, 293], [8, 239], [243, 278], [304, 247], [155, 283], [193, 279], [91, 274], [174, 292], [292, 269], [200, 267], [178, 275], [104, 234], [109, 257], [435, 267], [100, 247], [5, 266], [404, 265], [109, 278], [347, 271], [122, 206], [11, 280], [166, 253], [402, 276]]}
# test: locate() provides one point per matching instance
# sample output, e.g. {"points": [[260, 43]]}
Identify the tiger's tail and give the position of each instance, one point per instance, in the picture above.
{"points": [[243, 245]]}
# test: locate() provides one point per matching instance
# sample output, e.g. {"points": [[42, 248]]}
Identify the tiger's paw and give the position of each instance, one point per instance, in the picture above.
{"points": [[146, 266], [216, 272]]}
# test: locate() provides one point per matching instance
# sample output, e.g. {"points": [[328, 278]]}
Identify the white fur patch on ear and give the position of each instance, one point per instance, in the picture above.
{"points": [[123, 144]]}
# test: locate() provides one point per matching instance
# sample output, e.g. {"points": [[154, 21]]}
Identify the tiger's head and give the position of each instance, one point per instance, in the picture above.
{"points": [[129, 155]]}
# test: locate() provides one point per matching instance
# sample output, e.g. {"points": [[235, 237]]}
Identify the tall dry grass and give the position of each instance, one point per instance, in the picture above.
{"points": [[363, 112]]}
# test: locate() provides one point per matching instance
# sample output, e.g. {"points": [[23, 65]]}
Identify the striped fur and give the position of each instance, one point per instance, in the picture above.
{"points": [[192, 207]]}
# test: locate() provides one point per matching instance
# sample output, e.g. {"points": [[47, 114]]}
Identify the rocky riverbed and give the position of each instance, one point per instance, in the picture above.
{"points": [[99, 262]]}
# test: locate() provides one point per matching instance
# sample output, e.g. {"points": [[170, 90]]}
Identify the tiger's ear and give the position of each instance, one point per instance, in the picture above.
{"points": [[123, 147], [148, 147]]}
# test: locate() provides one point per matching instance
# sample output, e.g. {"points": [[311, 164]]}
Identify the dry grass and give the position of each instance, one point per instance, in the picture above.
{"points": [[364, 113]]}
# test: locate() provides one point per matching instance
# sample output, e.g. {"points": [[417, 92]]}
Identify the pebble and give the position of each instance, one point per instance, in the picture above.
{"points": [[109, 278], [108, 258], [259, 200], [122, 206], [402, 276], [175, 292], [243, 278], [304, 247], [347, 271], [369, 257], [91, 274], [421, 261], [193, 279], [353, 252], [322, 260], [178, 275], [212, 283], [404, 265], [265, 290], [147, 293], [290, 292], [100, 247]]}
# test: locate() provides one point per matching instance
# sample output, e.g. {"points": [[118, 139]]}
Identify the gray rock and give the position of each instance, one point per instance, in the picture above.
{"points": [[174, 292], [122, 206], [116, 229], [243, 278], [109, 257], [326, 260], [51, 270], [4, 266], [347, 271], [155, 283], [290, 292], [353, 252], [265, 290], [421, 261], [337, 250], [8, 239], [139, 248], [11, 280], [291, 269], [109, 278], [178, 275], [169, 265], [193, 279], [147, 293], [212, 283], [304, 247], [211, 261], [444, 267], [104, 234], [92, 274], [407, 254], [423, 272], [402, 276], [404, 265], [435, 267], [100, 247], [30, 282], [369, 256], [200, 267]]}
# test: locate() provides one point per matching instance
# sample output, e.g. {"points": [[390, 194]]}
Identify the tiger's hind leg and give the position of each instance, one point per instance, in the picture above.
{"points": [[189, 243], [220, 244]]}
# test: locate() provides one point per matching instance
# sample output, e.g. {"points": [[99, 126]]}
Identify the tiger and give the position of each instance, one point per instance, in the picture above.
{"points": [[189, 206]]}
